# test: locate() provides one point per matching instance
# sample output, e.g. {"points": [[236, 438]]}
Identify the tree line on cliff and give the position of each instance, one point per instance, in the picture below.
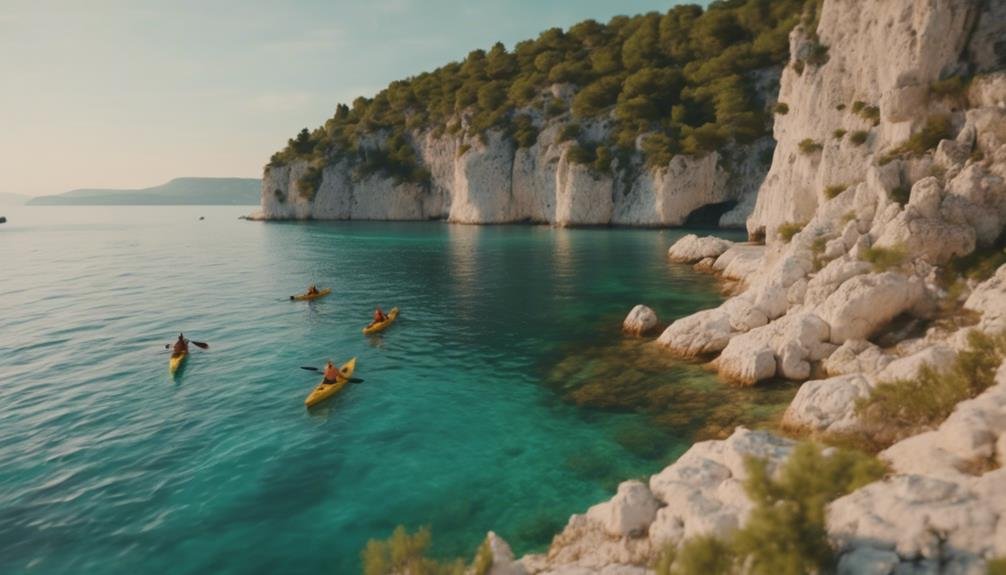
{"points": [[673, 83]]}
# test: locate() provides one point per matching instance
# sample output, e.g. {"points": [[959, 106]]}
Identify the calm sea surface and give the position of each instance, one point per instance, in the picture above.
{"points": [[503, 398]]}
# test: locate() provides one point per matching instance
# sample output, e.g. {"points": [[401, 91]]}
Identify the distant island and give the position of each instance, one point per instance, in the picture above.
{"points": [[179, 191], [9, 199]]}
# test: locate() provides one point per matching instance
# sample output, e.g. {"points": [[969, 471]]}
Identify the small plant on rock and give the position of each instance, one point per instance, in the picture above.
{"points": [[903, 407], [781, 108], [952, 88], [871, 113], [936, 128], [787, 230], [569, 132], [838, 134], [308, 184], [859, 137], [406, 553], [808, 146], [884, 259], [785, 533], [832, 192]]}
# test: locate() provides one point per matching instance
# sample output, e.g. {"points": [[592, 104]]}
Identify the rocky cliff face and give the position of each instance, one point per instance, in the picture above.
{"points": [[886, 56], [887, 171], [492, 181]]}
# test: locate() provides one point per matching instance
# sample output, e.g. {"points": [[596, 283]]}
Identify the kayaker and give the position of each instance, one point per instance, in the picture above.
{"points": [[332, 373], [181, 346], [379, 316], [312, 290]]}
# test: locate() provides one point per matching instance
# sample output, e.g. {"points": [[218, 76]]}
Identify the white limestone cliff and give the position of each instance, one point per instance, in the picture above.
{"points": [[486, 182]]}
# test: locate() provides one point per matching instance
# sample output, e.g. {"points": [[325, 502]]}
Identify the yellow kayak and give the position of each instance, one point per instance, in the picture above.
{"points": [[327, 390], [311, 296], [381, 326], [176, 361]]}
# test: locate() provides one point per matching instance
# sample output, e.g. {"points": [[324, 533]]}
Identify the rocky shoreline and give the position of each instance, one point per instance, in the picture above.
{"points": [[885, 186]]}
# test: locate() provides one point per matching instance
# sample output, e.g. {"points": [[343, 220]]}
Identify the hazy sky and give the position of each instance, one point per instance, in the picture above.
{"points": [[106, 93]]}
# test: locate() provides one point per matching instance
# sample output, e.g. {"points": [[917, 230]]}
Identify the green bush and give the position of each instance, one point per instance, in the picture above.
{"points": [[483, 559], [935, 129], [308, 184], [280, 195], [569, 132], [838, 134], [597, 97], [555, 107], [406, 553], [979, 265], [580, 154], [997, 566], [808, 146], [840, 107], [463, 149], [602, 160], [787, 230], [785, 533], [859, 137], [871, 113], [658, 149], [525, 134], [781, 108], [702, 555], [903, 407], [884, 259], [954, 87], [858, 106], [833, 191]]}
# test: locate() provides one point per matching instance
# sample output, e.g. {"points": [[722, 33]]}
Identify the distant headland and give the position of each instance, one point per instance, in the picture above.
{"points": [[179, 191]]}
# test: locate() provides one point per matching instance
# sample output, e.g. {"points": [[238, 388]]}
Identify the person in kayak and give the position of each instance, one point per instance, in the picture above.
{"points": [[332, 373], [181, 346], [312, 290], [379, 316]]}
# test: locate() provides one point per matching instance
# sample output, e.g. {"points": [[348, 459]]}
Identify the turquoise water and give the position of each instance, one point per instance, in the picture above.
{"points": [[108, 465]]}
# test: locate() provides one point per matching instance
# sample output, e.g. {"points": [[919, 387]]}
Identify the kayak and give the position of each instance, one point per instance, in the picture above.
{"points": [[327, 390], [381, 326], [176, 361], [311, 296]]}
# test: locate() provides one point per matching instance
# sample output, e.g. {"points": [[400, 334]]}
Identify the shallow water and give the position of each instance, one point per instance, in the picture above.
{"points": [[475, 413]]}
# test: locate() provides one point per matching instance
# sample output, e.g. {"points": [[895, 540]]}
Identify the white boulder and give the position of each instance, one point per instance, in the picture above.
{"points": [[827, 405], [866, 303], [692, 248], [640, 320], [629, 513]]}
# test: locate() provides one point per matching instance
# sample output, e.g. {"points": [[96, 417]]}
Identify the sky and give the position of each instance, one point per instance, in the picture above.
{"points": [[132, 93]]}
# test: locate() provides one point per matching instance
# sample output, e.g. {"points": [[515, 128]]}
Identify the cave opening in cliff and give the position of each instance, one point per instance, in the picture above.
{"points": [[708, 216]]}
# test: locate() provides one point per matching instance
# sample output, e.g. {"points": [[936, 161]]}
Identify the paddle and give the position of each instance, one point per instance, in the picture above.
{"points": [[200, 344], [351, 380]]}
